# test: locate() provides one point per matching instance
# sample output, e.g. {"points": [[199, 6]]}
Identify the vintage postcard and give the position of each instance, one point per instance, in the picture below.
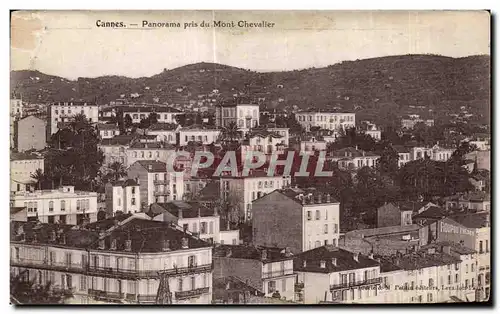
{"points": [[250, 157]]}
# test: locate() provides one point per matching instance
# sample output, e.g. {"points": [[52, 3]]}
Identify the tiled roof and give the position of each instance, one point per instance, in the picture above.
{"points": [[309, 194], [153, 145], [344, 259], [251, 252], [163, 127], [401, 149], [431, 212], [189, 209], [148, 109], [351, 152], [117, 140], [23, 156], [198, 127], [124, 183], [421, 259], [472, 220], [102, 126]]}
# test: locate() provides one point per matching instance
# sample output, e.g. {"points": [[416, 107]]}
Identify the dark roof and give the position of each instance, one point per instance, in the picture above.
{"points": [[102, 126], [345, 260], [189, 209], [23, 156], [454, 247], [196, 127], [308, 195], [418, 260], [232, 284], [263, 134], [401, 149], [153, 145], [411, 205], [434, 212], [153, 165], [124, 183], [15, 210], [210, 192], [351, 152], [472, 220], [148, 109], [118, 140], [163, 126], [251, 252]]}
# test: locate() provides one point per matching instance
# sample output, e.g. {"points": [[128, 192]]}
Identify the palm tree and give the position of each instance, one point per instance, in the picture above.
{"points": [[29, 292], [39, 176], [230, 133], [116, 171]]}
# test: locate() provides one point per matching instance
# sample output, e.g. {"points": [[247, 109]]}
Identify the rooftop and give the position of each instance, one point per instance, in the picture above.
{"points": [[163, 127], [417, 260], [199, 127], [148, 108], [118, 140], [152, 145], [351, 152], [384, 231], [153, 165], [433, 212], [266, 255], [103, 126], [186, 209], [124, 183], [473, 220], [23, 156], [307, 196], [334, 259]]}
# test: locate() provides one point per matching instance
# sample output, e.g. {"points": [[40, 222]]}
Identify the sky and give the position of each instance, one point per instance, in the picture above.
{"points": [[69, 44]]}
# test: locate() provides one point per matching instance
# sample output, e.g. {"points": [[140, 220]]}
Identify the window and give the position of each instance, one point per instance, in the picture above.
{"points": [[456, 278], [317, 244], [63, 205], [352, 294], [335, 228], [449, 279], [429, 297], [486, 246], [466, 268], [211, 227], [472, 282], [185, 227], [326, 242], [17, 253], [51, 206], [83, 283], [326, 214], [480, 247], [309, 216], [472, 267], [431, 282], [180, 284], [317, 215], [203, 227], [133, 200], [195, 227], [466, 283], [271, 286], [68, 259], [325, 229], [78, 204]]}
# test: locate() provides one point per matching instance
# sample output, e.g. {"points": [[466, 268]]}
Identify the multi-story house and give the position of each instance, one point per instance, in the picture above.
{"points": [[391, 214], [165, 132], [139, 112], [326, 119], [64, 205], [149, 151], [196, 218], [410, 122], [403, 153], [434, 153], [130, 261], [115, 149], [310, 144], [156, 184], [122, 196], [299, 219], [108, 130], [198, 134], [473, 201], [351, 158], [22, 167], [30, 134], [16, 107], [268, 270], [244, 190], [263, 141], [371, 130], [284, 132], [65, 111], [429, 275], [332, 274], [245, 115]]}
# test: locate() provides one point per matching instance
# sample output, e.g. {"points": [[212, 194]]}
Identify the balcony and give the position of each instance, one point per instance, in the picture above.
{"points": [[43, 264], [180, 295], [160, 182], [277, 273], [106, 295], [134, 274], [346, 285], [161, 193]]}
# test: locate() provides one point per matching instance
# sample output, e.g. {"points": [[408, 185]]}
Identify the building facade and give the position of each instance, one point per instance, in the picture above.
{"points": [[122, 196], [326, 120], [65, 111], [30, 134]]}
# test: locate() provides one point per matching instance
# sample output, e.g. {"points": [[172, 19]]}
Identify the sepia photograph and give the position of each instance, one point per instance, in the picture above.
{"points": [[250, 157]]}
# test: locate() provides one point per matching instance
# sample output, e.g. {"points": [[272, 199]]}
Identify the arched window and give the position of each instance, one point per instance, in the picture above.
{"points": [[51, 206], [63, 205], [142, 154], [150, 155], [135, 154]]}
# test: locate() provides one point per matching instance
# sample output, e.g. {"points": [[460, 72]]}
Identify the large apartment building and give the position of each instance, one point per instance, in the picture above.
{"points": [[65, 111], [22, 167], [245, 115], [127, 260], [299, 219], [243, 190], [326, 120], [64, 205]]}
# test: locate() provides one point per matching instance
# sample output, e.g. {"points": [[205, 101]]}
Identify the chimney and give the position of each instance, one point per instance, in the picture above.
{"points": [[304, 263], [328, 199], [63, 239], [322, 264], [199, 212], [150, 167], [370, 256], [447, 249], [229, 253], [216, 213], [101, 244], [264, 255], [303, 200], [128, 245], [35, 237], [356, 257], [185, 243], [180, 214], [334, 261], [320, 198], [288, 253], [113, 244]]}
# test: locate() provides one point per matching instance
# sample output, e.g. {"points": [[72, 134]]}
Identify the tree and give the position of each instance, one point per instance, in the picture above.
{"points": [[28, 292], [127, 121], [153, 118], [230, 133], [116, 171], [388, 162], [228, 209], [39, 176], [73, 155]]}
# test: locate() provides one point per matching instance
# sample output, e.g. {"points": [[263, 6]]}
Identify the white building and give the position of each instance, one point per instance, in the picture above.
{"points": [[139, 112], [63, 205], [65, 111], [22, 167], [244, 190], [115, 149], [16, 107], [123, 196], [295, 218], [245, 115], [156, 184], [310, 144], [108, 130], [156, 151], [263, 141], [351, 158], [116, 265], [326, 120], [199, 134], [436, 153], [404, 155], [332, 274], [165, 132]]}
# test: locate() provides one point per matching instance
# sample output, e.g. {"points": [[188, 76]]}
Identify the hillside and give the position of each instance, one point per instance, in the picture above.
{"points": [[374, 87]]}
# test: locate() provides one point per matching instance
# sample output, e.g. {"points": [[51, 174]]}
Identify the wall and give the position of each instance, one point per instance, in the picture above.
{"points": [[31, 134]]}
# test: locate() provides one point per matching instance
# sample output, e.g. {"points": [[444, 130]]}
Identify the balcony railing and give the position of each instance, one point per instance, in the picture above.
{"points": [[365, 282], [277, 273], [179, 295], [160, 182], [106, 295], [43, 264], [161, 193]]}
